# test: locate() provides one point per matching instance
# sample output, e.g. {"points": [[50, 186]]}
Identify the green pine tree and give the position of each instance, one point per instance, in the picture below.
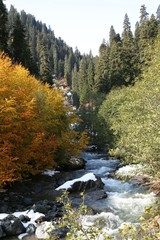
{"points": [[75, 89], [128, 56], [3, 27], [45, 70], [102, 80], [19, 48]]}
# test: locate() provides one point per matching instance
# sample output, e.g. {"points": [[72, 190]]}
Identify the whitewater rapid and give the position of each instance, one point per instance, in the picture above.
{"points": [[125, 201]]}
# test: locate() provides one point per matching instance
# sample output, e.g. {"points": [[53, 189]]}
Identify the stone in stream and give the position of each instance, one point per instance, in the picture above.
{"points": [[81, 186], [2, 233], [31, 229], [88, 181], [11, 227], [73, 164]]}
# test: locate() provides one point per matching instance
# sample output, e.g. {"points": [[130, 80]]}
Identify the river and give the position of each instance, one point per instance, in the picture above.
{"points": [[126, 201]]}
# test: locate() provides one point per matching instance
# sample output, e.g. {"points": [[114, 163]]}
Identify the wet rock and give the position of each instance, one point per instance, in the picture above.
{"points": [[41, 219], [31, 229], [74, 164], [3, 208], [10, 217], [96, 195], [12, 227], [44, 230], [81, 186], [24, 218], [91, 148], [27, 201], [2, 233], [42, 207]]}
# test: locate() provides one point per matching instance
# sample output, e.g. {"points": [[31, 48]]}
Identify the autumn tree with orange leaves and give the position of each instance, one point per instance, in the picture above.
{"points": [[34, 125]]}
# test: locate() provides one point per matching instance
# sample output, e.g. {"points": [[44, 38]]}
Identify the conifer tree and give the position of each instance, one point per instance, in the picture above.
{"points": [[129, 58], [143, 13], [67, 70], [112, 34], [45, 70], [148, 30], [75, 90], [3, 27], [102, 81], [20, 51], [137, 33], [55, 61], [12, 14], [158, 13], [115, 62], [90, 74], [82, 80], [152, 28]]}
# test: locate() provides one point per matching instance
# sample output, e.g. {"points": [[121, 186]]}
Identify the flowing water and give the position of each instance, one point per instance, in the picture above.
{"points": [[126, 200]]}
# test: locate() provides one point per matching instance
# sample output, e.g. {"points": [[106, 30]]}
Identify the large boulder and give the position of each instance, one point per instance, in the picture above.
{"points": [[12, 227], [44, 230], [81, 186], [74, 164], [87, 182], [91, 148]]}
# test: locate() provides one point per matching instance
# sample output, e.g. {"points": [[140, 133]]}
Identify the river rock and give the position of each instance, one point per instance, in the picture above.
{"points": [[12, 227], [91, 148], [31, 229], [74, 164], [81, 186], [42, 206], [24, 218], [44, 230], [2, 233], [94, 196]]}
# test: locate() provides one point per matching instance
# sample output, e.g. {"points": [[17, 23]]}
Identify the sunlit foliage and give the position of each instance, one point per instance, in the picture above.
{"points": [[34, 123], [133, 114]]}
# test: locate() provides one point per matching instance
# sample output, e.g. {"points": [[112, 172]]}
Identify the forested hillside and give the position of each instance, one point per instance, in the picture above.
{"points": [[34, 45], [120, 63]]}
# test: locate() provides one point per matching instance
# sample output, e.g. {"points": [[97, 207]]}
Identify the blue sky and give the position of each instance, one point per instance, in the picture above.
{"points": [[84, 23]]}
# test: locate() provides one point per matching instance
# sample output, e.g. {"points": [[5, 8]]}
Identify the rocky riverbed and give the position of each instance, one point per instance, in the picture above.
{"points": [[35, 208], [33, 202]]}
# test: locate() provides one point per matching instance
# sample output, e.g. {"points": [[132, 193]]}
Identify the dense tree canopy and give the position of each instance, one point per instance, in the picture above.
{"points": [[133, 114], [35, 126]]}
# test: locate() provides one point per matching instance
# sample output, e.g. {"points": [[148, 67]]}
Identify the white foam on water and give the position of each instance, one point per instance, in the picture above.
{"points": [[129, 206], [115, 185], [111, 221], [102, 170]]}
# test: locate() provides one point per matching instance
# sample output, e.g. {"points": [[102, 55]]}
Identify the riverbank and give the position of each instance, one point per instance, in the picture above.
{"points": [[135, 172], [117, 203]]}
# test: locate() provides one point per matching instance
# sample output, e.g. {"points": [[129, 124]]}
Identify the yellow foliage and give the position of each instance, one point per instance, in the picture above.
{"points": [[34, 123]]}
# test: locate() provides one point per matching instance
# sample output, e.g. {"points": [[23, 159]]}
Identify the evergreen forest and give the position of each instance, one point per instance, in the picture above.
{"points": [[116, 95]]}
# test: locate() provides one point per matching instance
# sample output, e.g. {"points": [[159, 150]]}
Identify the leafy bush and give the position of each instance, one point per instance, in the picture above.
{"points": [[73, 221]]}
